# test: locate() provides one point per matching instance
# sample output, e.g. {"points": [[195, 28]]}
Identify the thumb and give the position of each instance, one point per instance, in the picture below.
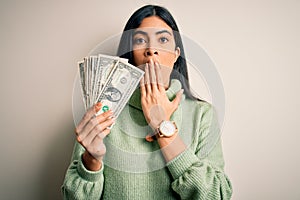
{"points": [[150, 137], [177, 99]]}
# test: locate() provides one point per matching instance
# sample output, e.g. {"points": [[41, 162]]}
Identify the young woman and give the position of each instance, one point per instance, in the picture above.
{"points": [[165, 144]]}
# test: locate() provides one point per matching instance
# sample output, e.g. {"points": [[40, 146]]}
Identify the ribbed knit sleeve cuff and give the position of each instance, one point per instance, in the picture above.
{"points": [[182, 163], [92, 176]]}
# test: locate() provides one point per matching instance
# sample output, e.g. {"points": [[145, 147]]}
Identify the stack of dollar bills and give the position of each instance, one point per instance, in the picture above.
{"points": [[107, 79]]}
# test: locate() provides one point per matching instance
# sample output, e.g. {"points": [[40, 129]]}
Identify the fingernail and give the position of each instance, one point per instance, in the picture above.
{"points": [[98, 104]]}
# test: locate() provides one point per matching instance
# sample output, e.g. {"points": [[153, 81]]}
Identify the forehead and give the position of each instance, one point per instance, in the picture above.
{"points": [[154, 22]]}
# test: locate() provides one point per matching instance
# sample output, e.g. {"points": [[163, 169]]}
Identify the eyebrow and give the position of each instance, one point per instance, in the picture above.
{"points": [[163, 31], [157, 33]]}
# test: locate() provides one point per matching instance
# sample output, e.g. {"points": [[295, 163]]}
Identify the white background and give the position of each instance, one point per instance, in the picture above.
{"points": [[254, 44]]}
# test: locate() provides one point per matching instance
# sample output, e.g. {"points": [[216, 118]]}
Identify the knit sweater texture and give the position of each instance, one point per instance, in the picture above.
{"points": [[135, 169]]}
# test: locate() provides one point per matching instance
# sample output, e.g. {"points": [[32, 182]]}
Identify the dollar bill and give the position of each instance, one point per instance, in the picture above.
{"points": [[119, 86], [107, 63], [82, 81], [93, 77], [86, 79], [108, 79]]}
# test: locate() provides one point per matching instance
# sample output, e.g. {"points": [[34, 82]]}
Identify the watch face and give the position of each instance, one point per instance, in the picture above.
{"points": [[167, 128]]}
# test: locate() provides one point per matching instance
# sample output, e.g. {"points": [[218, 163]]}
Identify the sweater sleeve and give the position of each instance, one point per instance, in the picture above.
{"points": [[198, 171], [80, 183]]}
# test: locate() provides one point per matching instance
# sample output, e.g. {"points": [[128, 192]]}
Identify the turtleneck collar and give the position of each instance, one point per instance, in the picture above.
{"points": [[175, 86]]}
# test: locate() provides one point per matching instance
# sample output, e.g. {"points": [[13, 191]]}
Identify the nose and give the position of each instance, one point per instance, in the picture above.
{"points": [[151, 52]]}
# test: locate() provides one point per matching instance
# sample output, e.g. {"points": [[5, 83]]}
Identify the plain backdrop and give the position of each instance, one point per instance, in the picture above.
{"points": [[254, 44]]}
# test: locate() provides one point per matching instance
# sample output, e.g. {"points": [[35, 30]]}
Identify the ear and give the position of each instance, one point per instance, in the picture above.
{"points": [[177, 53]]}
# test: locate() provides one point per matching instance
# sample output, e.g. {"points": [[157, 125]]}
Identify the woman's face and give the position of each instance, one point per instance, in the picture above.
{"points": [[154, 39]]}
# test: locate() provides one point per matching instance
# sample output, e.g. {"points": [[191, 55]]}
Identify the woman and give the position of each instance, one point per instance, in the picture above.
{"points": [[160, 117]]}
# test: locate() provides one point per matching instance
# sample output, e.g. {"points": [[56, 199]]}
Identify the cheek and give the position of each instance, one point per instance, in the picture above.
{"points": [[167, 59], [138, 57]]}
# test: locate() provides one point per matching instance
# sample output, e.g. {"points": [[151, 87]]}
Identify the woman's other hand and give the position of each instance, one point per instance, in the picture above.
{"points": [[155, 103]]}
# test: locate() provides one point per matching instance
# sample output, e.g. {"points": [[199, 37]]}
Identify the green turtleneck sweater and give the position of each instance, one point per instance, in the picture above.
{"points": [[135, 169]]}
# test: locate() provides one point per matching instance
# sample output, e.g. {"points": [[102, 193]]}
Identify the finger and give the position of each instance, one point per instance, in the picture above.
{"points": [[177, 99], [84, 138], [93, 129], [147, 79], [142, 87], [142, 82], [152, 75], [104, 133], [94, 123], [97, 131], [103, 116], [87, 117], [107, 123], [159, 78], [90, 137], [87, 129]]}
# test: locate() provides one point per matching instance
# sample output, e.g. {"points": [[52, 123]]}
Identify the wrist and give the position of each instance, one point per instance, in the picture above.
{"points": [[90, 162], [154, 124], [156, 116], [171, 147], [165, 141]]}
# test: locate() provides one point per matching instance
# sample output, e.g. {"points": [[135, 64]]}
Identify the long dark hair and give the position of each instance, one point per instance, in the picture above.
{"points": [[125, 47]]}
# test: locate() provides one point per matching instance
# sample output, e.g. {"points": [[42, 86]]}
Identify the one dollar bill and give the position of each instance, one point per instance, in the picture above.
{"points": [[119, 87], [108, 79]]}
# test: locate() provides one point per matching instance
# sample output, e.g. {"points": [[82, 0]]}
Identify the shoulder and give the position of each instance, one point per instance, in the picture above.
{"points": [[202, 113], [200, 107]]}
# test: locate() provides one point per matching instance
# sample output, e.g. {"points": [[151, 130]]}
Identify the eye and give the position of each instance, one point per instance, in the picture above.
{"points": [[163, 40], [139, 41]]}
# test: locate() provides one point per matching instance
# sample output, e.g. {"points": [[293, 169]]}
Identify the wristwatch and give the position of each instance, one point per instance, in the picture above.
{"points": [[166, 129]]}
